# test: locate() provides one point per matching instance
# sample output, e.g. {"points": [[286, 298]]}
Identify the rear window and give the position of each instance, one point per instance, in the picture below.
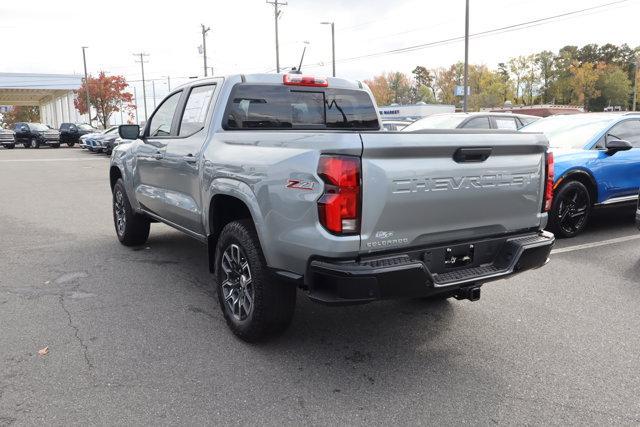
{"points": [[261, 106]]}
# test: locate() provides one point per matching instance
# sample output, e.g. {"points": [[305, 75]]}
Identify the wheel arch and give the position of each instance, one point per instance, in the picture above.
{"points": [[583, 177], [230, 200], [114, 174]]}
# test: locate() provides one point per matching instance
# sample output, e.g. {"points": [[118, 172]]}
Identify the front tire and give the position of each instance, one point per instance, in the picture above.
{"points": [[255, 304], [132, 229], [571, 209], [55, 145]]}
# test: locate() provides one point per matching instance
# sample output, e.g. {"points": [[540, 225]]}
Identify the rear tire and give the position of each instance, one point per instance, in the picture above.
{"points": [[132, 229], [26, 144], [254, 303], [35, 143], [55, 145], [70, 144], [10, 146], [570, 210]]}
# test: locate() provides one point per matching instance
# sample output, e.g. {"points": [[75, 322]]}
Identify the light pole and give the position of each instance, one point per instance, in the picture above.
{"points": [[144, 90], [333, 45], [86, 82], [204, 46], [635, 82], [466, 56], [276, 14]]}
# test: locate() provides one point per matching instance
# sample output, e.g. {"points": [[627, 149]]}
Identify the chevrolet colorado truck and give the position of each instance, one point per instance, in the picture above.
{"points": [[292, 184]]}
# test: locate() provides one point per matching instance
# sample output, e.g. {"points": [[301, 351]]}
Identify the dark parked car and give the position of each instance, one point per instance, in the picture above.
{"points": [[33, 135], [504, 121], [7, 138], [70, 133], [109, 141]]}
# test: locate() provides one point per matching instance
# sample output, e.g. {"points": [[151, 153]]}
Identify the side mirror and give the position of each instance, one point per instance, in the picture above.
{"points": [[24, 129], [129, 131], [615, 145]]}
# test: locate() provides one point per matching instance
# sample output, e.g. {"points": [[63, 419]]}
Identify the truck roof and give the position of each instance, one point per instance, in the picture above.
{"points": [[273, 78]]}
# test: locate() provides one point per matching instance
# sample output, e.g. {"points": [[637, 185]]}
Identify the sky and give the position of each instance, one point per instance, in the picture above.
{"points": [[44, 36]]}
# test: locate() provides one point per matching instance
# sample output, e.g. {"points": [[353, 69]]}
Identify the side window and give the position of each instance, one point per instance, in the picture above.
{"points": [[507, 123], [195, 111], [629, 130], [477, 123], [160, 123]]}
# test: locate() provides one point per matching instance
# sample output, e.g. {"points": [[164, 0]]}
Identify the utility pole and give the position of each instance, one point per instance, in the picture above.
{"points": [[135, 97], [86, 82], [635, 82], [144, 90], [169, 83], [466, 57], [333, 45], [153, 90], [204, 46], [276, 15]]}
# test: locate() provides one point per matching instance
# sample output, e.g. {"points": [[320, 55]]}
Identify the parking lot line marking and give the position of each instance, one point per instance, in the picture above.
{"points": [[596, 244], [62, 159]]}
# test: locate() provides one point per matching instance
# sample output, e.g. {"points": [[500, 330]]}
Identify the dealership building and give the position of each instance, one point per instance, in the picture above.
{"points": [[53, 93]]}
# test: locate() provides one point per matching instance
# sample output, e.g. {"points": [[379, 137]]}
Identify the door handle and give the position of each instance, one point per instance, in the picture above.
{"points": [[476, 154], [190, 158]]}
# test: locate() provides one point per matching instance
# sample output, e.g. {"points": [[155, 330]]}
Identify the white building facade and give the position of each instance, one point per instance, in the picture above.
{"points": [[53, 93]]}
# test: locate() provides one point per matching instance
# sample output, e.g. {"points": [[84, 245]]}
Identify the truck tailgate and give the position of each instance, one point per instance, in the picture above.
{"points": [[434, 186]]}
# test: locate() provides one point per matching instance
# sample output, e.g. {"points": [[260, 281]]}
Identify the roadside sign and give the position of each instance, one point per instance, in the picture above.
{"points": [[460, 90]]}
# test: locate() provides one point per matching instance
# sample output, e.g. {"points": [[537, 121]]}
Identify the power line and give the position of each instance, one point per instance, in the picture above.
{"points": [[513, 27]]}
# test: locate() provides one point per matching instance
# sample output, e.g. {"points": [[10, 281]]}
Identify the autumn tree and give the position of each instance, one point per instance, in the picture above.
{"points": [[423, 85], [22, 114], [585, 77], [107, 95], [380, 89]]}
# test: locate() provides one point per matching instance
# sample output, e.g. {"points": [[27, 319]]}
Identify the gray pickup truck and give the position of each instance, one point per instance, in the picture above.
{"points": [[292, 184]]}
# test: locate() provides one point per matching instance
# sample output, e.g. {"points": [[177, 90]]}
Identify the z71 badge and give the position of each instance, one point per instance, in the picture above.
{"points": [[301, 185]]}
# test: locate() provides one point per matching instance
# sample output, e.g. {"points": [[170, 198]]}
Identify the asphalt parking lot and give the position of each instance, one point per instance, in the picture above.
{"points": [[136, 337]]}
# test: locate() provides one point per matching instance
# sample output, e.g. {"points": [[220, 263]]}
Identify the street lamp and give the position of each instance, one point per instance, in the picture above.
{"points": [[86, 82], [333, 45]]}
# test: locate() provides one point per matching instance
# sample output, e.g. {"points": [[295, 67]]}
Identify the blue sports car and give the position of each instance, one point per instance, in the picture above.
{"points": [[596, 162]]}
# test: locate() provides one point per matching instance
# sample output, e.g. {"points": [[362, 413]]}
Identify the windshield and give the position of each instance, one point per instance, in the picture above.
{"points": [[437, 121], [571, 131], [111, 130], [38, 127]]}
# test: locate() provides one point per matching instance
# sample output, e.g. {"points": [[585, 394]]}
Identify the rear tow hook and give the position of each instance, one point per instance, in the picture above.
{"points": [[471, 293]]}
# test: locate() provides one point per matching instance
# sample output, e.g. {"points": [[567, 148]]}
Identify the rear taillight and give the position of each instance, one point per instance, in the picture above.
{"points": [[548, 189], [339, 205], [300, 80]]}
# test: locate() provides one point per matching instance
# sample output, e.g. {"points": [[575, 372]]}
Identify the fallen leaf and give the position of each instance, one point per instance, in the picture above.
{"points": [[43, 351]]}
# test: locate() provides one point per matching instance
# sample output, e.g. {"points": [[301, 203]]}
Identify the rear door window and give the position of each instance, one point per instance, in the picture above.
{"points": [[507, 123], [195, 111], [263, 106], [477, 123]]}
